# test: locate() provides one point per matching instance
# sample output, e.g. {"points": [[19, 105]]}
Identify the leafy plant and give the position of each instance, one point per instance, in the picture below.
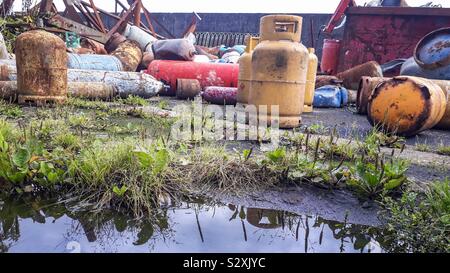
{"points": [[419, 222], [277, 155], [120, 191], [373, 179]]}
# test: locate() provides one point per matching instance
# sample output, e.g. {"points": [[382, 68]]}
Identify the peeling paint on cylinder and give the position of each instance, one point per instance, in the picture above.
{"points": [[94, 62], [406, 105], [208, 74], [41, 60], [220, 95], [126, 83], [366, 86], [352, 76], [129, 53]]}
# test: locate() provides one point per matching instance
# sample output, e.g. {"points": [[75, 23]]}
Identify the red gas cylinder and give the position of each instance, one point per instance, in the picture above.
{"points": [[330, 56], [208, 74]]}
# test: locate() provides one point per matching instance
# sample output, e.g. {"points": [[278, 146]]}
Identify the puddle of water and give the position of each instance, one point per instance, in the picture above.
{"points": [[36, 226]]}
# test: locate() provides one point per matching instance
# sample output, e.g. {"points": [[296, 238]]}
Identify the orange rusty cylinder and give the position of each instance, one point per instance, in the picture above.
{"points": [[310, 81], [130, 54], [208, 74], [41, 61], [245, 71], [330, 56], [188, 89], [366, 86], [279, 67], [406, 105], [352, 77]]}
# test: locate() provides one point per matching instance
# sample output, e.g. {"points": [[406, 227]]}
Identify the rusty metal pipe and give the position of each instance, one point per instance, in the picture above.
{"points": [[322, 80], [352, 76]]}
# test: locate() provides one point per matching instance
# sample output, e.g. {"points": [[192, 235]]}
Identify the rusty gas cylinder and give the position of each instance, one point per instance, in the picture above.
{"points": [[366, 86], [41, 60], [279, 67], [220, 95], [92, 90], [245, 70], [188, 88], [352, 76], [130, 54], [330, 56], [406, 105], [444, 123]]}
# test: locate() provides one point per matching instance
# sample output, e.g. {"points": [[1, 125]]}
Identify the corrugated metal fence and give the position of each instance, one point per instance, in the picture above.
{"points": [[212, 39]]}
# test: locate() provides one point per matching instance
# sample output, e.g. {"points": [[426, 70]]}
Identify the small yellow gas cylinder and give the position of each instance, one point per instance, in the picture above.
{"points": [[245, 71], [279, 67], [311, 81], [41, 68]]}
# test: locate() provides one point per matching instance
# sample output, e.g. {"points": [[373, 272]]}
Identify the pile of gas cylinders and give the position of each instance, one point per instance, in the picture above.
{"points": [[275, 70]]}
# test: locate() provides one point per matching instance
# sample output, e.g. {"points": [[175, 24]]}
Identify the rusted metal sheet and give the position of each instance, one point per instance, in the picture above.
{"points": [[80, 29], [386, 33], [41, 68]]}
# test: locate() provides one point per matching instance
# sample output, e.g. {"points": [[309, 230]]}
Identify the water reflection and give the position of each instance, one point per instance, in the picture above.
{"points": [[39, 225]]}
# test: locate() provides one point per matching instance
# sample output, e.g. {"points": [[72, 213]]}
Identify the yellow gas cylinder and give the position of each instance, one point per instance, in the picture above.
{"points": [[41, 60], [279, 66], [406, 105], [444, 123], [311, 81], [245, 71]]}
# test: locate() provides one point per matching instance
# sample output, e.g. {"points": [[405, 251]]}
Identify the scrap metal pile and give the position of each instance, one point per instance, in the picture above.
{"points": [[275, 69]]}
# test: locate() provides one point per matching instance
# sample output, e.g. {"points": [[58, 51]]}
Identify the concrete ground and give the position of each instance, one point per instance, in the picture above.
{"points": [[350, 124]]}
